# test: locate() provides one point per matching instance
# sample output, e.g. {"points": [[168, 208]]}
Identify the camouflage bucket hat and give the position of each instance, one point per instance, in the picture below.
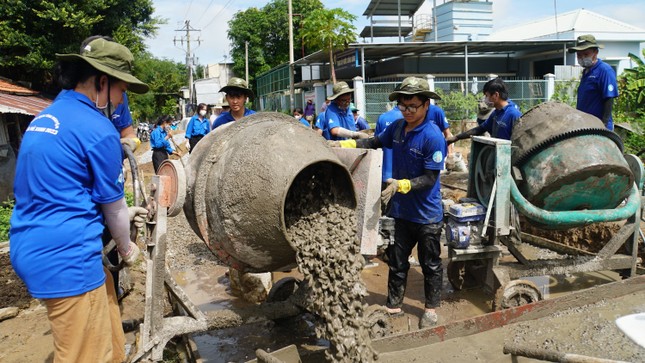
{"points": [[585, 42], [340, 88], [237, 84], [111, 58], [413, 86]]}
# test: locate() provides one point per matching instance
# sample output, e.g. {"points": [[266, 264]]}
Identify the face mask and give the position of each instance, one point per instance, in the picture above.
{"points": [[298, 117], [585, 62], [105, 110], [489, 103], [202, 113]]}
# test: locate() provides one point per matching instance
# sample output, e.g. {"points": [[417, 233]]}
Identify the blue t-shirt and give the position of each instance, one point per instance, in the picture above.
{"points": [[436, 114], [500, 122], [121, 116], [414, 152], [384, 120], [69, 163], [319, 120], [197, 127], [335, 117], [361, 124], [158, 140], [226, 117], [304, 122], [597, 85]]}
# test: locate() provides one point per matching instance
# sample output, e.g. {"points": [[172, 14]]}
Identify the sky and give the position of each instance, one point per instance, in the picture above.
{"points": [[211, 18]]}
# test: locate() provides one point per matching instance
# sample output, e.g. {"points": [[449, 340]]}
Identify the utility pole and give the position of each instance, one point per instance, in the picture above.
{"points": [[189, 55], [246, 61], [291, 67]]}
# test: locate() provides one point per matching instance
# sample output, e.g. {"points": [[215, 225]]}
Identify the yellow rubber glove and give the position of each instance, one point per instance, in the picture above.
{"points": [[348, 144], [404, 186], [132, 142]]}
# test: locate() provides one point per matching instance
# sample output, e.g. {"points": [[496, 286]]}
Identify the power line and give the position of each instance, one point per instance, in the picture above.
{"points": [[188, 9], [215, 16], [205, 11]]}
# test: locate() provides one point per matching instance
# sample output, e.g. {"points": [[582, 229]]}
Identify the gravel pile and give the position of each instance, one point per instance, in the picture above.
{"points": [[328, 255]]}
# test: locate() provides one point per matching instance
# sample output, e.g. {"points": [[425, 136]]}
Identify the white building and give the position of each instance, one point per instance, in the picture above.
{"points": [[619, 39]]}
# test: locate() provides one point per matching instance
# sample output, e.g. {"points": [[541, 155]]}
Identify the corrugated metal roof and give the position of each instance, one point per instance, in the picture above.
{"points": [[379, 51], [26, 105], [8, 87], [391, 7], [384, 31], [19, 99]]}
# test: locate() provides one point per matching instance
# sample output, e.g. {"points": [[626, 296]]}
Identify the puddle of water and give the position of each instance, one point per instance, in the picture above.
{"points": [[208, 288], [239, 344]]}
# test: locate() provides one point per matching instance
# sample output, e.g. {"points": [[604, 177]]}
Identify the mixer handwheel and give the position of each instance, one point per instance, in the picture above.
{"points": [[485, 174], [516, 293]]}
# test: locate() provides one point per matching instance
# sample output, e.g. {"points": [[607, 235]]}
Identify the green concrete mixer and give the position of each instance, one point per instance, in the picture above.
{"points": [[562, 169]]}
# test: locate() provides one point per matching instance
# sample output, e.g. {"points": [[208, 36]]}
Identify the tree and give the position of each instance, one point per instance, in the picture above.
{"points": [[267, 32], [631, 85], [165, 78], [630, 105], [33, 31], [329, 30]]}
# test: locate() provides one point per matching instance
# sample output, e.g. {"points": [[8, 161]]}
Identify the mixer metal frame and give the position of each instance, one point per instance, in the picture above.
{"points": [[480, 265], [157, 329]]}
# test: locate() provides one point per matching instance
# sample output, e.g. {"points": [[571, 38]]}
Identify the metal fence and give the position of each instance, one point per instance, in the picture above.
{"points": [[525, 93]]}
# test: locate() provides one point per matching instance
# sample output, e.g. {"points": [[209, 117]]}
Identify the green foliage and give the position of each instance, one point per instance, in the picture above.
{"points": [[267, 32], [631, 87], [32, 31], [329, 30], [165, 78], [5, 216], [457, 105], [129, 198], [629, 107], [565, 92]]}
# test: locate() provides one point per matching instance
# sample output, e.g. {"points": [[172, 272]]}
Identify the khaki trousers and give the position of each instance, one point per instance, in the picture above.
{"points": [[87, 327]]}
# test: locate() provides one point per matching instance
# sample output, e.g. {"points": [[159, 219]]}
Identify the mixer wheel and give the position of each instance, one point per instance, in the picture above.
{"points": [[516, 293], [283, 289], [378, 322], [463, 274]]}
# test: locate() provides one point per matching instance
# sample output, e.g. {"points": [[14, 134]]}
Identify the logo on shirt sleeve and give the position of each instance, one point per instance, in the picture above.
{"points": [[120, 181], [437, 157], [610, 88]]}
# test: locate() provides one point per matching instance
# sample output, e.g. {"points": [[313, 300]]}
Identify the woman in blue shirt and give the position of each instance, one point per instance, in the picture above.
{"points": [[198, 126], [159, 143], [69, 182]]}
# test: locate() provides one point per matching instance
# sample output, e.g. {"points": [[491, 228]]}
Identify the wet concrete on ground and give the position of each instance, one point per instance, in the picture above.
{"points": [[209, 290]]}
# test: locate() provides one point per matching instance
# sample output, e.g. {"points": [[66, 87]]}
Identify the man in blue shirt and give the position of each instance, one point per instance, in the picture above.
{"points": [[598, 86], [438, 116], [359, 122], [501, 121], [384, 120], [198, 126], [237, 94], [418, 152], [337, 122]]}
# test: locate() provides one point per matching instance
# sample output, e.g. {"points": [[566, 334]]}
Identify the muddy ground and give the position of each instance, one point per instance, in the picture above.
{"points": [[27, 337]]}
